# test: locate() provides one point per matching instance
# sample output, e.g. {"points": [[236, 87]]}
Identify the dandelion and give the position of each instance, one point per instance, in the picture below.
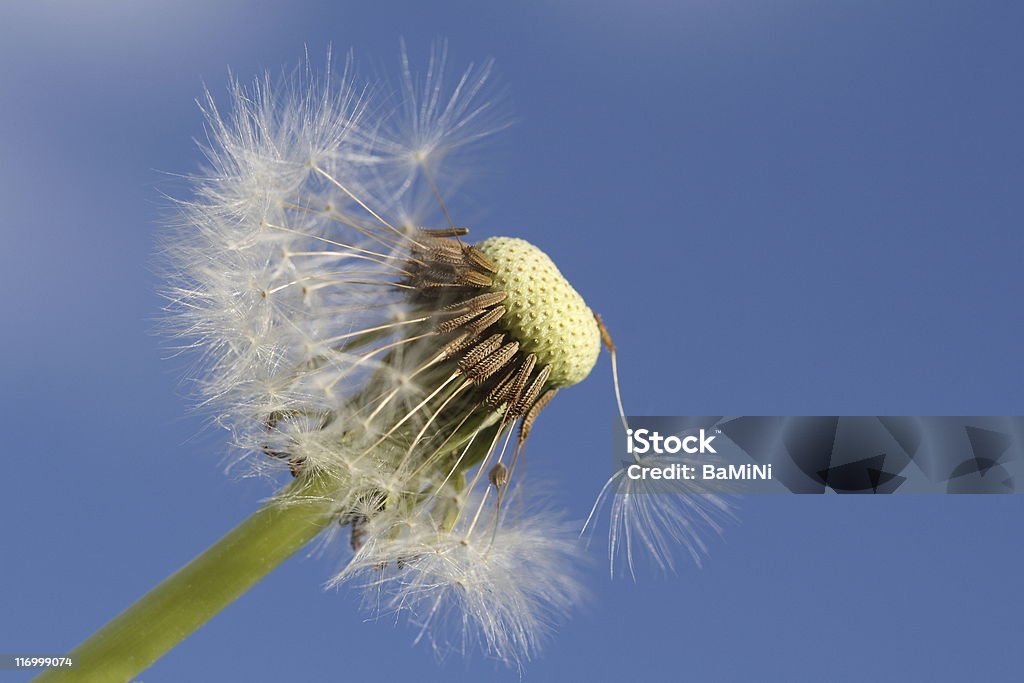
{"points": [[350, 334], [401, 363], [391, 367]]}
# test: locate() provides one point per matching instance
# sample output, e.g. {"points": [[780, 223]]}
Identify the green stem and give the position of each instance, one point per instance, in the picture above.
{"points": [[187, 599]]}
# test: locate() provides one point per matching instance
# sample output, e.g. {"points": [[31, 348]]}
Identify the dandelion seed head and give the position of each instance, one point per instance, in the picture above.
{"points": [[343, 339], [544, 310]]}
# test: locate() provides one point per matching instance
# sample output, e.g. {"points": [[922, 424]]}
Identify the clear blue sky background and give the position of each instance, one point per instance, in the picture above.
{"points": [[779, 207]]}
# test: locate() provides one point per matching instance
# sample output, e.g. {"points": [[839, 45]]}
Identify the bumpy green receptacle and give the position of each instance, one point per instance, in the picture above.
{"points": [[545, 314]]}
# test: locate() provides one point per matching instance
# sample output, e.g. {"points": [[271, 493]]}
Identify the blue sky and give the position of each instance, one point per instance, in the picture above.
{"points": [[778, 207]]}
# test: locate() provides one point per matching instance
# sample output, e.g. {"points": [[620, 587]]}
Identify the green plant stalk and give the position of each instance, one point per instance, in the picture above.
{"points": [[190, 597], [187, 599]]}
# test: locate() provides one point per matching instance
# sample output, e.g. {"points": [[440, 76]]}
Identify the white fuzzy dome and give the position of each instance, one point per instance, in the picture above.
{"points": [[545, 314]]}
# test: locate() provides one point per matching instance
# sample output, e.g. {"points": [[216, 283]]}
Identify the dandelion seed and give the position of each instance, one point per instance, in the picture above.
{"points": [[658, 520], [503, 591], [648, 516]]}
